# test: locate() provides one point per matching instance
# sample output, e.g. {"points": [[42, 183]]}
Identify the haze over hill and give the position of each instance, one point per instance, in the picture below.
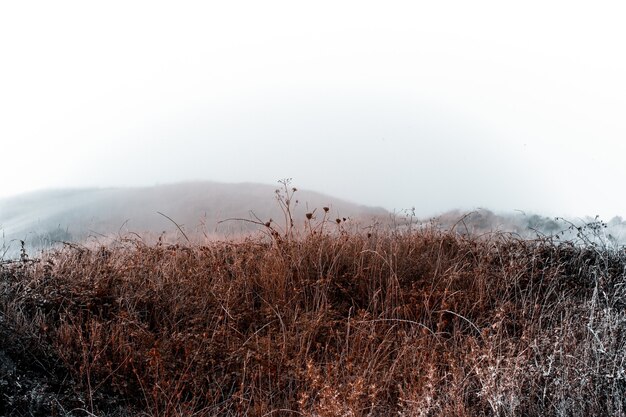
{"points": [[100, 214], [198, 207]]}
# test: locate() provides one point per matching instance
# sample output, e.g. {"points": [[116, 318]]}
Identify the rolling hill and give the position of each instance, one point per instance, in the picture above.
{"points": [[42, 217]]}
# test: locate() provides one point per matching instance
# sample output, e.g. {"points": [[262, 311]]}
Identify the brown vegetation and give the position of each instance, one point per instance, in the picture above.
{"points": [[419, 323]]}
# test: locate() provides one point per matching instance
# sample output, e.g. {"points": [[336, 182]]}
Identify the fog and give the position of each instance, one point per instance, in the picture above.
{"points": [[146, 209], [412, 104]]}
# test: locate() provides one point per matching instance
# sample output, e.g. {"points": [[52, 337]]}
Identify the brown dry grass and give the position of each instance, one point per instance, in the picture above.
{"points": [[422, 323]]}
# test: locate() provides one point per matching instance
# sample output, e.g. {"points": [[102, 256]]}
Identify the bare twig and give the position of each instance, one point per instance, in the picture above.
{"points": [[176, 224]]}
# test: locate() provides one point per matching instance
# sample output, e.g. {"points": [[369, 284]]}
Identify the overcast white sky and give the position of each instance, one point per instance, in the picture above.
{"points": [[437, 105]]}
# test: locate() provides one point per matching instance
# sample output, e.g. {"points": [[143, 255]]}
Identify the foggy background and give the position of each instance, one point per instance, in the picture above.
{"points": [[432, 105]]}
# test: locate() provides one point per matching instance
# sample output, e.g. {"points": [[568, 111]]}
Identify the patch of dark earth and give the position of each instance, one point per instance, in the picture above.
{"points": [[35, 384]]}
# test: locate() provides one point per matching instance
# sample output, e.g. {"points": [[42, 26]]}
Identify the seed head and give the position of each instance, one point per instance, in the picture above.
{"points": [[326, 209], [309, 216]]}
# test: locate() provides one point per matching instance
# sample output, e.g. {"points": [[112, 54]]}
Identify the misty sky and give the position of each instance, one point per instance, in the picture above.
{"points": [[437, 105]]}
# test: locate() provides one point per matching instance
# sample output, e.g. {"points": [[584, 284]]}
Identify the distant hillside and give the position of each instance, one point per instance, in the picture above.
{"points": [[198, 207], [529, 225], [100, 214]]}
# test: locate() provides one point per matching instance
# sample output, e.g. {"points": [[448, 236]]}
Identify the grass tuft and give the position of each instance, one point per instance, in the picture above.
{"points": [[331, 323]]}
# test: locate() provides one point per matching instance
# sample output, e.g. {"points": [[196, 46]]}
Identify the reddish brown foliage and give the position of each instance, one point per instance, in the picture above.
{"points": [[422, 323]]}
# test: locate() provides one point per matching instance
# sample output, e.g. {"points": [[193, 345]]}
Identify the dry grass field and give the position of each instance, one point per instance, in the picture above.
{"points": [[318, 322]]}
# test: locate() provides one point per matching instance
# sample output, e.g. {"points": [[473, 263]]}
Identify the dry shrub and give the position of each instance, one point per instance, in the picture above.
{"points": [[426, 323]]}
